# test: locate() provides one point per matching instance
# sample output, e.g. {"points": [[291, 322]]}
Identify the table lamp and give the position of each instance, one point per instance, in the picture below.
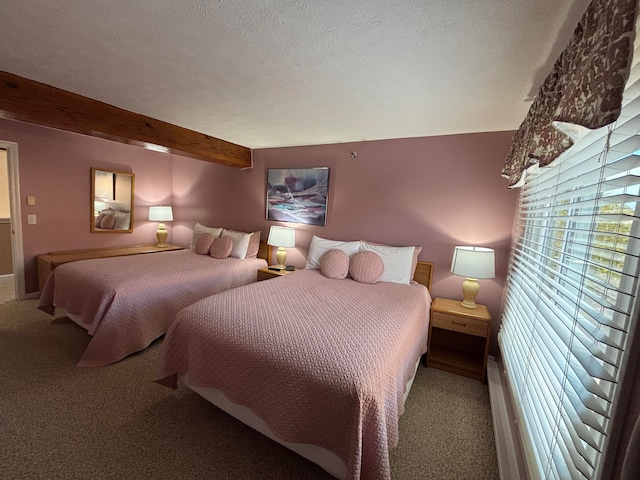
{"points": [[281, 237], [161, 214], [473, 263]]}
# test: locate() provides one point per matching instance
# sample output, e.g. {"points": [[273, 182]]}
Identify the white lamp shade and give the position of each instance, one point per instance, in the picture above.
{"points": [[160, 214], [473, 262], [282, 237], [99, 205]]}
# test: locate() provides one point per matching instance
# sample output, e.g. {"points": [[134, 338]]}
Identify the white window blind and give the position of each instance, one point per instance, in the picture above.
{"points": [[572, 296]]}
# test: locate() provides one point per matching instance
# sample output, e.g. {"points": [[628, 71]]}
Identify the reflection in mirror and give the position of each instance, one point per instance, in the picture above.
{"points": [[111, 201]]}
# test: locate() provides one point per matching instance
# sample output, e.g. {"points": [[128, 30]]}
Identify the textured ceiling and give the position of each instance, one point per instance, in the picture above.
{"points": [[268, 73]]}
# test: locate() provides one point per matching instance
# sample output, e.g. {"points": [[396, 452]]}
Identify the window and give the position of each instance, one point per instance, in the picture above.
{"points": [[571, 297]]}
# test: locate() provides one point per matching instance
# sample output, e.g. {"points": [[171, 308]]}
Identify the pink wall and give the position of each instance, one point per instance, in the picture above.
{"points": [[436, 192], [210, 194], [55, 168]]}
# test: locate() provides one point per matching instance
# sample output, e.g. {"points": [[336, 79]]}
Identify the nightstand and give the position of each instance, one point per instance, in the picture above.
{"points": [[266, 274], [459, 338]]}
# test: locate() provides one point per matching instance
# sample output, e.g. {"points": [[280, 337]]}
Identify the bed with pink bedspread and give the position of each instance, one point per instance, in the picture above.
{"points": [[125, 303], [324, 362]]}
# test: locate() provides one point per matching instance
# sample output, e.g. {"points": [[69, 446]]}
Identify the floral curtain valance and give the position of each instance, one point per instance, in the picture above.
{"points": [[584, 88]]}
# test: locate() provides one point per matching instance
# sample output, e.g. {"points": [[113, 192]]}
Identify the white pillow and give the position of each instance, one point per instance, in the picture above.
{"points": [[320, 246], [199, 229], [397, 261], [122, 221], [240, 242]]}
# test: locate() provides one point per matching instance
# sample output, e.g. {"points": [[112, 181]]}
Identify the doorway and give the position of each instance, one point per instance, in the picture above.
{"points": [[7, 284], [11, 227]]}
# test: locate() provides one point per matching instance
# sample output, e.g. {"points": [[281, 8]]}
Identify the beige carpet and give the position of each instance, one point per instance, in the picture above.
{"points": [[61, 422]]}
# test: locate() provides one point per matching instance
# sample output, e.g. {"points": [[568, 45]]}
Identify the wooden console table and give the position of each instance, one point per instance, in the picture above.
{"points": [[46, 263]]}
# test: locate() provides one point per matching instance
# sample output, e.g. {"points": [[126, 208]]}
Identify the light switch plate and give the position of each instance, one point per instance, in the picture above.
{"points": [[31, 200]]}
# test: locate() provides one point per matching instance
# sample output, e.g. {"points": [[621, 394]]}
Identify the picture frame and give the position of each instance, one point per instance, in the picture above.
{"points": [[298, 195]]}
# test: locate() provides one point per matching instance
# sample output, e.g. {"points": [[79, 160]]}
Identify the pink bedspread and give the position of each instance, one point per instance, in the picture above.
{"points": [[127, 302], [322, 361]]}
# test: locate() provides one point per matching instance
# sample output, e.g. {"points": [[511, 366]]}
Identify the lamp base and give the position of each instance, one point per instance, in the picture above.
{"points": [[281, 257], [470, 289], [161, 235]]}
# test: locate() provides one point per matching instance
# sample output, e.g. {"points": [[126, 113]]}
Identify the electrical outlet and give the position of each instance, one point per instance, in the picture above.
{"points": [[32, 219]]}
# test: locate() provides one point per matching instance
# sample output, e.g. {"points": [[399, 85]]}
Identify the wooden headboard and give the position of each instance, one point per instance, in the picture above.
{"points": [[264, 251], [424, 274]]}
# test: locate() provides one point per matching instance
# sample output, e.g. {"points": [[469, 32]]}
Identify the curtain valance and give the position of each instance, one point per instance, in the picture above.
{"points": [[584, 88]]}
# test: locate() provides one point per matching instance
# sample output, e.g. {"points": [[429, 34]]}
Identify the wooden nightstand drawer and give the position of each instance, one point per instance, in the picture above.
{"points": [[456, 323]]}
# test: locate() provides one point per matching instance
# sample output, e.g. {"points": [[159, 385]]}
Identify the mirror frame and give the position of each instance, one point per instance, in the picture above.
{"points": [[92, 210]]}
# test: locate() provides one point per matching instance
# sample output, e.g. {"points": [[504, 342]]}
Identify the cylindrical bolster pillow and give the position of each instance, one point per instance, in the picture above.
{"points": [[203, 244], [221, 247], [334, 264], [366, 267]]}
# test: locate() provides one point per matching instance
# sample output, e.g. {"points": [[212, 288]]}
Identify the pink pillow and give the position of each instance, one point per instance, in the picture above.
{"points": [[108, 221], [366, 267], [414, 263], [99, 220], [254, 245], [334, 264], [221, 247], [203, 244]]}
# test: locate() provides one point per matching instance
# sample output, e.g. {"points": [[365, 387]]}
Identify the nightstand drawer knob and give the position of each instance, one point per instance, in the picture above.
{"points": [[463, 324]]}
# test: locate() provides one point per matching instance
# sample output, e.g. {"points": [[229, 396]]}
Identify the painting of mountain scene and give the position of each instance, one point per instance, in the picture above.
{"points": [[298, 195]]}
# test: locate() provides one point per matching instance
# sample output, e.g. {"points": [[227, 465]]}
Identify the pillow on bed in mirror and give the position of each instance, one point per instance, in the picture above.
{"points": [[366, 267], [101, 215], [334, 264], [320, 246], [107, 222], [203, 244], [122, 220], [240, 242], [221, 247], [200, 229], [254, 245], [398, 262], [98, 220]]}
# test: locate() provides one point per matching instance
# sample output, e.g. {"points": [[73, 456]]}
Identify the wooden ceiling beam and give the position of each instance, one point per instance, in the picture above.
{"points": [[33, 102]]}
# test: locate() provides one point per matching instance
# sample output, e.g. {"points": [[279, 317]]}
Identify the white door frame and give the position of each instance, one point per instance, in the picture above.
{"points": [[16, 218]]}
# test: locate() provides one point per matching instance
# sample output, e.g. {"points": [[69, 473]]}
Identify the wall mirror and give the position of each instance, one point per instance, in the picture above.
{"points": [[111, 201]]}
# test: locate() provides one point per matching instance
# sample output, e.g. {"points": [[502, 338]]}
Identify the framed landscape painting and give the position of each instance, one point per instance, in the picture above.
{"points": [[298, 195]]}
